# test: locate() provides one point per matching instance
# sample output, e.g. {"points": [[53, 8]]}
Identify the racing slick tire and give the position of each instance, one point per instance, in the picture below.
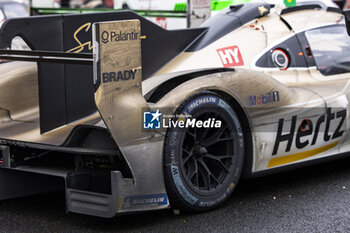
{"points": [[203, 165]]}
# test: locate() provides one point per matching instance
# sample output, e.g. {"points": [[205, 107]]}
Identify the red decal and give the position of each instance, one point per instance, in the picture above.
{"points": [[303, 127], [230, 56], [161, 21], [258, 101]]}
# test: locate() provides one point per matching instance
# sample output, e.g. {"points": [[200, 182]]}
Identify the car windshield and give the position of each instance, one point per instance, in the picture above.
{"points": [[331, 49], [13, 10]]}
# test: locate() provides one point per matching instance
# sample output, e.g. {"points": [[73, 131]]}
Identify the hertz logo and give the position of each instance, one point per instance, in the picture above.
{"points": [[312, 129]]}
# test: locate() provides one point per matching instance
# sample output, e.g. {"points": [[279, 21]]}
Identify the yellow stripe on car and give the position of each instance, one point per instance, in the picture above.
{"points": [[300, 156]]}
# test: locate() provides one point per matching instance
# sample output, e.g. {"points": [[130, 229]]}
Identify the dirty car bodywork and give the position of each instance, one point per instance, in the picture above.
{"points": [[63, 119]]}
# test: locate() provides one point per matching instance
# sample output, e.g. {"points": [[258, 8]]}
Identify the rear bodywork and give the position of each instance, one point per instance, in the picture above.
{"points": [[72, 116]]}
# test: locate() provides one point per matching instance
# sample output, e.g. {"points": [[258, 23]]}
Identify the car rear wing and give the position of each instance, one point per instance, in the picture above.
{"points": [[145, 13], [62, 47]]}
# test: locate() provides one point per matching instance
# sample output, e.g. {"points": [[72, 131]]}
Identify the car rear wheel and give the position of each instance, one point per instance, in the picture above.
{"points": [[202, 165]]}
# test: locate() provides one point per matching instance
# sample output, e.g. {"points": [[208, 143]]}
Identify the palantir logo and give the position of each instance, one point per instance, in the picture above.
{"points": [[151, 120], [105, 37]]}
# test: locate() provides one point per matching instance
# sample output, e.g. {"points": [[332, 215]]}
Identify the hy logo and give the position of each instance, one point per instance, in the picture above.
{"points": [[151, 120], [230, 56]]}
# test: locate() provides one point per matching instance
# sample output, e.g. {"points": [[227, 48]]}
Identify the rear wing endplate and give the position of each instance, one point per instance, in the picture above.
{"points": [[119, 96]]}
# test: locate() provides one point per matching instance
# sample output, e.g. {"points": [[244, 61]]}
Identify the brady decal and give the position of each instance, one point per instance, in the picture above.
{"points": [[307, 128], [263, 99], [118, 76], [230, 56]]}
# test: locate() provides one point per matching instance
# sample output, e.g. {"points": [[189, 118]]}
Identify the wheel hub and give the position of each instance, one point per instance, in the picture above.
{"points": [[203, 150], [199, 151], [207, 166]]}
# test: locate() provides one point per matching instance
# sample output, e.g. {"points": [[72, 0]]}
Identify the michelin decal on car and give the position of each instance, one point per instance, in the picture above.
{"points": [[141, 201]]}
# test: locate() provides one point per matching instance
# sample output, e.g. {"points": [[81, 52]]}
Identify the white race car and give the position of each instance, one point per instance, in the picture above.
{"points": [[157, 119]]}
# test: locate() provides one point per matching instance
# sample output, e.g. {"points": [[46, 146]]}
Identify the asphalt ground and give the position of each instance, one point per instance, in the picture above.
{"points": [[312, 199]]}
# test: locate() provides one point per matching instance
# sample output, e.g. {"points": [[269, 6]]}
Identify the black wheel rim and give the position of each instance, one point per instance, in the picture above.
{"points": [[207, 158]]}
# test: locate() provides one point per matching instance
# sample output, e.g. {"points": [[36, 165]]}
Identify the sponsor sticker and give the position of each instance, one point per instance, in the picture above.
{"points": [[230, 56], [309, 131], [132, 202], [118, 76], [267, 98], [113, 36]]}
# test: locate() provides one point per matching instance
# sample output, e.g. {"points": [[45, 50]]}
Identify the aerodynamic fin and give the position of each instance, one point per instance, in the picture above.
{"points": [[118, 70]]}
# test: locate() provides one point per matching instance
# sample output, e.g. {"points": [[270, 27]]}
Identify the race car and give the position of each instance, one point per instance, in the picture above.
{"points": [[127, 117]]}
